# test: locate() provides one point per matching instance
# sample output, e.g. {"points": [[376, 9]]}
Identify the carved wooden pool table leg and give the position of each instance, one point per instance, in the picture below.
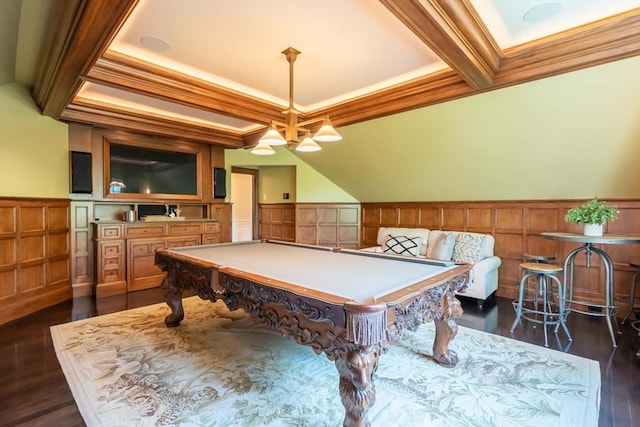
{"points": [[357, 389], [446, 330], [174, 301]]}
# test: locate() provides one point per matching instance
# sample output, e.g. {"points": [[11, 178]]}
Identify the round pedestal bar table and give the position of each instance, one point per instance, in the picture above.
{"points": [[609, 310]]}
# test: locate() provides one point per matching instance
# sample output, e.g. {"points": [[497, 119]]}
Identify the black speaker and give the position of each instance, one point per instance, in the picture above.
{"points": [[219, 183], [81, 172]]}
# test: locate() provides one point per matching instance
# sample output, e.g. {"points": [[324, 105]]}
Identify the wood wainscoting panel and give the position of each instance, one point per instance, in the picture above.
{"points": [[389, 216], [543, 219], [222, 212], [277, 221], [453, 218], [479, 220], [509, 219], [327, 235], [34, 255], [509, 245], [31, 277], [8, 255], [370, 215], [517, 227], [58, 245], [430, 217], [58, 271], [328, 224], [327, 214], [32, 219], [8, 283], [32, 249], [408, 216]]}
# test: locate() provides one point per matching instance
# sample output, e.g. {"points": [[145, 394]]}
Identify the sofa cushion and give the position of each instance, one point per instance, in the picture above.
{"points": [[402, 245], [442, 248], [383, 233], [468, 247]]}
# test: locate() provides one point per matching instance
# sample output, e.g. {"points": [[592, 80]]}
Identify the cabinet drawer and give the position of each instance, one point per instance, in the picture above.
{"points": [[112, 249], [210, 239], [182, 229], [110, 231], [135, 231], [111, 264], [211, 227], [145, 248], [187, 241]]}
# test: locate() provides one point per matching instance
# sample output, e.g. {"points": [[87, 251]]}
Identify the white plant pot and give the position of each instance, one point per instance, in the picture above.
{"points": [[593, 229]]}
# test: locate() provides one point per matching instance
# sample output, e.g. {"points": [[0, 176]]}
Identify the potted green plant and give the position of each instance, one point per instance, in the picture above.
{"points": [[593, 214]]}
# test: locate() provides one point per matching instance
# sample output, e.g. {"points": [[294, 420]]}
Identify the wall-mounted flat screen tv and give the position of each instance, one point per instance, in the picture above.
{"points": [[140, 170]]}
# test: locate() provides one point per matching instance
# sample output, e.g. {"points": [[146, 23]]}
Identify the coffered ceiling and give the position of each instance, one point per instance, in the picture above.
{"points": [[213, 71]]}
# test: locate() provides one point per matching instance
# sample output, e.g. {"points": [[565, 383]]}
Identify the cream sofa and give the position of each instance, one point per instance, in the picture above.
{"points": [[474, 248]]}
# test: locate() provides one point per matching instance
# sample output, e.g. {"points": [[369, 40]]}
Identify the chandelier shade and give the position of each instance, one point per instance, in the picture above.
{"points": [[327, 133], [263, 150], [290, 126], [273, 137], [308, 145]]}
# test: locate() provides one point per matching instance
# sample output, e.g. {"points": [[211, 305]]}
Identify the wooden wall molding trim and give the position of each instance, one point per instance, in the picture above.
{"points": [[598, 43], [517, 227], [35, 270]]}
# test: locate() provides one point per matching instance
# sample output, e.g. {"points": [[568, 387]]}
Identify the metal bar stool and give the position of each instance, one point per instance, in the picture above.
{"points": [[552, 312], [542, 259], [632, 295]]}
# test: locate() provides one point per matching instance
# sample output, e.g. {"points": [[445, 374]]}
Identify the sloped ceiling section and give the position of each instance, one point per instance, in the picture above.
{"points": [[213, 71]]}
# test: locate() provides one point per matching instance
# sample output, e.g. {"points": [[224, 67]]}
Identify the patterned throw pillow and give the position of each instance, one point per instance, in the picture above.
{"points": [[443, 247], [468, 247], [402, 245]]}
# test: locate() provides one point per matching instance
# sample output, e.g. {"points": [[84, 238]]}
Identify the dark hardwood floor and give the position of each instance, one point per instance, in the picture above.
{"points": [[34, 392]]}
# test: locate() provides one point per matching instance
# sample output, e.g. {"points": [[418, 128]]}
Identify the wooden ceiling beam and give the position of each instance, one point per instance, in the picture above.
{"points": [[87, 112], [78, 32], [126, 73], [453, 31]]}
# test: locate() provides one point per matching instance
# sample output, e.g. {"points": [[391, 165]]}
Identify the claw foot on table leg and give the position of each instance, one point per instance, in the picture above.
{"points": [[357, 389], [174, 301], [446, 330]]}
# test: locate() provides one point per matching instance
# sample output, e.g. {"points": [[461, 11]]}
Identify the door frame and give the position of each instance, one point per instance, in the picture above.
{"points": [[255, 232]]}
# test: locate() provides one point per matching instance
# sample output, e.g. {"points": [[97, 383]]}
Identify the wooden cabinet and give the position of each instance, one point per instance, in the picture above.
{"points": [[125, 252], [110, 265]]}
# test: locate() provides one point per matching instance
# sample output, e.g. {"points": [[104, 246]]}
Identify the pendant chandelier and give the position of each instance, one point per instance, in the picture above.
{"points": [[292, 129]]}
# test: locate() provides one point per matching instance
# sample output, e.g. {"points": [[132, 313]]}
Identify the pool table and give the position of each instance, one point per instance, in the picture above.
{"points": [[349, 304]]}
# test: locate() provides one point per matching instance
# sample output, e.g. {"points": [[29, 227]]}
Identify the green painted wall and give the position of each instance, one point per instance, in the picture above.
{"points": [[571, 136], [34, 153], [274, 181], [310, 186]]}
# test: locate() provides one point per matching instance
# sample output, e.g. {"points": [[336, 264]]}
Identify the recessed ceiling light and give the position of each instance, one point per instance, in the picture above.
{"points": [[155, 44], [542, 12]]}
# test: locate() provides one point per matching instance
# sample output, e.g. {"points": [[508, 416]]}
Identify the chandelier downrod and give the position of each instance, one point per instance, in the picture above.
{"points": [[291, 54], [291, 127]]}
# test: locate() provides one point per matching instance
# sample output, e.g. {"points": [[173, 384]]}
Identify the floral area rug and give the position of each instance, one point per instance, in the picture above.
{"points": [[218, 369]]}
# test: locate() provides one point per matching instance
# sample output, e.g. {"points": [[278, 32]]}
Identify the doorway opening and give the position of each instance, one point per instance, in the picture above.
{"points": [[244, 199]]}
